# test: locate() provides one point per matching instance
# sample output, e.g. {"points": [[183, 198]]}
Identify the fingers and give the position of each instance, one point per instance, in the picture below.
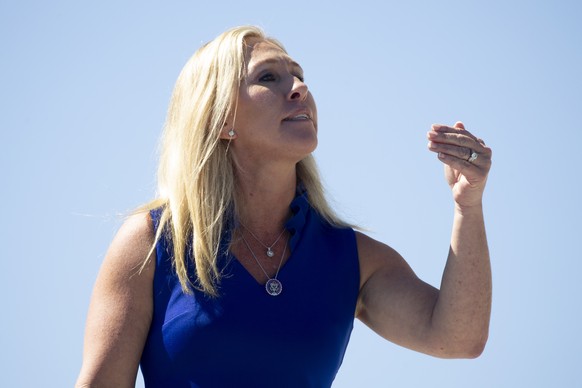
{"points": [[463, 153], [456, 144], [478, 168], [459, 132]]}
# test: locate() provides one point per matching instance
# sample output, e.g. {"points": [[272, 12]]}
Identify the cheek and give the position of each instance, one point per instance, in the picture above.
{"points": [[258, 97], [264, 98], [257, 106]]}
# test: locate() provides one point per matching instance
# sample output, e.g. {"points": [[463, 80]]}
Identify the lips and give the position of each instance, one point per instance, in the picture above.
{"points": [[301, 115], [298, 118]]}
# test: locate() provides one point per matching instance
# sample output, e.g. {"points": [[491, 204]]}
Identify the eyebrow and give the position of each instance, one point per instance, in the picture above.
{"points": [[276, 61]]}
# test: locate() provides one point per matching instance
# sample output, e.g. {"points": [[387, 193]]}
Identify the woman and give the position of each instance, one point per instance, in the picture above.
{"points": [[240, 274]]}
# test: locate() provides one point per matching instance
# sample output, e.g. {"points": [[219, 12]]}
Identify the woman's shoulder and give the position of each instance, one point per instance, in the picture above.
{"points": [[133, 242], [139, 226]]}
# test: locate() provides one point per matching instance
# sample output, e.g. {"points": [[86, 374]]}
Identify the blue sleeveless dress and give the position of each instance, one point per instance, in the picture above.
{"points": [[247, 338]]}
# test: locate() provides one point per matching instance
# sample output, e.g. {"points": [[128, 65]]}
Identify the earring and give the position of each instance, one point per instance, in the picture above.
{"points": [[231, 132]]}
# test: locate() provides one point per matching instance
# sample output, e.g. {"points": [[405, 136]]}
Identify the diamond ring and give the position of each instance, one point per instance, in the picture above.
{"points": [[473, 156]]}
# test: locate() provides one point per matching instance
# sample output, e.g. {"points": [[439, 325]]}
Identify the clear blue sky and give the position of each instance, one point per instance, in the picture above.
{"points": [[84, 87]]}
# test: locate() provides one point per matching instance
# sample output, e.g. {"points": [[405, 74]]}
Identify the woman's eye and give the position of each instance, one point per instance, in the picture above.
{"points": [[267, 77], [300, 77]]}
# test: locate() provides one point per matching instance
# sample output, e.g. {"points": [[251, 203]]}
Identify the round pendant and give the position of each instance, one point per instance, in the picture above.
{"points": [[273, 287], [270, 253]]}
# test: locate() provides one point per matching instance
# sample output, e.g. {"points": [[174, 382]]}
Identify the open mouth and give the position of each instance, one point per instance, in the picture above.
{"points": [[299, 117]]}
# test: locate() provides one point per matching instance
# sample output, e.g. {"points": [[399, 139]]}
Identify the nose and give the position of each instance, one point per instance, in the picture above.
{"points": [[299, 90]]}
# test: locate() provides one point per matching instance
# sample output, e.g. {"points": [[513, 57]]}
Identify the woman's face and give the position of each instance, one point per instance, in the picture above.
{"points": [[276, 117]]}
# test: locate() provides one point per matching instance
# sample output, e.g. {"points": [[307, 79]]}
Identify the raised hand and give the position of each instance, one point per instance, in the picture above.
{"points": [[467, 161]]}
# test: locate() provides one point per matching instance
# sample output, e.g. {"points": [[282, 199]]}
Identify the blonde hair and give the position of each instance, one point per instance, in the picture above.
{"points": [[196, 185]]}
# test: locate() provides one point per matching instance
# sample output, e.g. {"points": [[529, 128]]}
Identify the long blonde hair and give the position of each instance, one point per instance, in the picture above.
{"points": [[196, 185]]}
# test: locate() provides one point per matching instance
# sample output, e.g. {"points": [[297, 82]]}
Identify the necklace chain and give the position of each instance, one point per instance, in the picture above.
{"points": [[270, 251], [273, 285]]}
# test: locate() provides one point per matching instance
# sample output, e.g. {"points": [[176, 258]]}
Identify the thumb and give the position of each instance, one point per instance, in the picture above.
{"points": [[459, 125]]}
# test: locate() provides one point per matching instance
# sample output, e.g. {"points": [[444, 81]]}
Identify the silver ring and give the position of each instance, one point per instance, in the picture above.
{"points": [[473, 156]]}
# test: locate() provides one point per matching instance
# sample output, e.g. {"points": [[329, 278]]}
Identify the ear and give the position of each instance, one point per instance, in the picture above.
{"points": [[227, 132]]}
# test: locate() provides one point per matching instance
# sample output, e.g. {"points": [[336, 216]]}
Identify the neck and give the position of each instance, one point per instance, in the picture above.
{"points": [[263, 197]]}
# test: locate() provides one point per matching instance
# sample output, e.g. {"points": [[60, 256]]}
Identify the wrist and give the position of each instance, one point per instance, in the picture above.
{"points": [[467, 210]]}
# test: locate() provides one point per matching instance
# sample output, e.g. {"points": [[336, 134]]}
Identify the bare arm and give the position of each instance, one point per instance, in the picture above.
{"points": [[121, 309], [454, 321]]}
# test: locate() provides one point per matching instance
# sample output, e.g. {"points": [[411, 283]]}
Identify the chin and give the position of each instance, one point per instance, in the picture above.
{"points": [[309, 144], [300, 143]]}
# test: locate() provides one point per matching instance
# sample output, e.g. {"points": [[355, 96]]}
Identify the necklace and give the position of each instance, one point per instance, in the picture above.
{"points": [[273, 285], [269, 252]]}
